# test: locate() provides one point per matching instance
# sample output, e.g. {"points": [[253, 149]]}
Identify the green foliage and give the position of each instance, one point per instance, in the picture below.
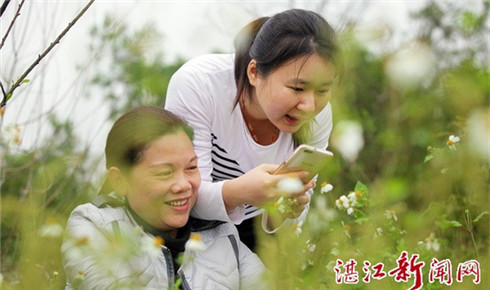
{"points": [[129, 70], [417, 192]]}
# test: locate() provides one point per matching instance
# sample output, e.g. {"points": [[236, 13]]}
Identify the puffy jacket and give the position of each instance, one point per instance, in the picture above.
{"points": [[105, 249]]}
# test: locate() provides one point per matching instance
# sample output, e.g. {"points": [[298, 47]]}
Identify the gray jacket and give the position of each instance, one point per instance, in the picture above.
{"points": [[105, 249]]}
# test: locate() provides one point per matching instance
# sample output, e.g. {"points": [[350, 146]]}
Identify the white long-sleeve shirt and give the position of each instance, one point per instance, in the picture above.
{"points": [[202, 92]]}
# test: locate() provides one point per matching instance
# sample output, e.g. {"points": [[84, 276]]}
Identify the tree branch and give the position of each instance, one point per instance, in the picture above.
{"points": [[17, 13], [4, 7], [21, 79]]}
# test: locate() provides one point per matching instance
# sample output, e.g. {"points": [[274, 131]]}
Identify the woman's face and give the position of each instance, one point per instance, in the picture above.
{"points": [[163, 185], [295, 92]]}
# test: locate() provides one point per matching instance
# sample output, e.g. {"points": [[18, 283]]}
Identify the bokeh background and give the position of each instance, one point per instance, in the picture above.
{"points": [[411, 131]]}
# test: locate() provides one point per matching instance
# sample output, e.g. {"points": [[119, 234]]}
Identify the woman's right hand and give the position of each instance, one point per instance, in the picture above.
{"points": [[255, 187]]}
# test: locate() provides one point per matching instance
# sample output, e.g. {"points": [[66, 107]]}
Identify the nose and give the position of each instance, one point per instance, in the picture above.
{"points": [[181, 184], [307, 103]]}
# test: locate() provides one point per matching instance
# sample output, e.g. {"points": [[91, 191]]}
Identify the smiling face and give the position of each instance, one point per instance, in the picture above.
{"points": [[162, 186], [294, 93]]}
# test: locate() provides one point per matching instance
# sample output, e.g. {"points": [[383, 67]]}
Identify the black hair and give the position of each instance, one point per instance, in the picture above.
{"points": [[272, 41], [134, 131]]}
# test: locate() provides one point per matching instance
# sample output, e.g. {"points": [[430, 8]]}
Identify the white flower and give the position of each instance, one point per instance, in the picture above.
{"points": [[432, 243], [342, 202], [411, 66], [452, 140], [391, 214], [51, 229], [347, 138], [297, 228], [290, 185], [280, 205], [478, 133], [80, 277], [378, 233], [310, 247], [330, 266], [11, 135], [326, 187], [347, 203], [334, 252], [352, 198], [152, 246], [195, 243], [76, 248]]}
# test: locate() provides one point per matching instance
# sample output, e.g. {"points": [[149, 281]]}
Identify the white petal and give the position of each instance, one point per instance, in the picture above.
{"points": [[290, 185]]}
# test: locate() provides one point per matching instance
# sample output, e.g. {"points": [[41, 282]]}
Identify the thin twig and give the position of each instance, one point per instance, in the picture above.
{"points": [[4, 7], [41, 56], [17, 13], [3, 89]]}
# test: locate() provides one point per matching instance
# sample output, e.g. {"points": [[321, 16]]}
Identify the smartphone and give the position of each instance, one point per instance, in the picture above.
{"points": [[305, 158]]}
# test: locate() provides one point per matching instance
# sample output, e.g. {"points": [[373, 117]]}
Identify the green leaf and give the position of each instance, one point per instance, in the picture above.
{"points": [[449, 224], [361, 187], [25, 81], [362, 220], [480, 216], [9, 96], [428, 157], [453, 224]]}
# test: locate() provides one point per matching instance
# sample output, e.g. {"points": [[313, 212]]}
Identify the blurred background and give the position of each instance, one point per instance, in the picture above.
{"points": [[411, 128]]}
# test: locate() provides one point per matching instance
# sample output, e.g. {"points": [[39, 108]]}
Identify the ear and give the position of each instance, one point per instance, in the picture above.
{"points": [[252, 72], [118, 180]]}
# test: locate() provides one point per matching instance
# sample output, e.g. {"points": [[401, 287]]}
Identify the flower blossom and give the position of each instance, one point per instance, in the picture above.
{"points": [[280, 205], [452, 140], [326, 187], [51, 229], [152, 246], [11, 135], [347, 202], [297, 228], [195, 243], [310, 246], [308, 263], [378, 233], [290, 185], [348, 139], [391, 214], [411, 66], [431, 243]]}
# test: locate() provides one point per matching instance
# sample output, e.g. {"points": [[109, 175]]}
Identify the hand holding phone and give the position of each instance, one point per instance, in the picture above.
{"points": [[305, 158]]}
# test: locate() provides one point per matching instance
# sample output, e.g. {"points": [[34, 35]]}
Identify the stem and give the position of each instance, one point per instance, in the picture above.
{"points": [[469, 228], [41, 56], [4, 7], [17, 13]]}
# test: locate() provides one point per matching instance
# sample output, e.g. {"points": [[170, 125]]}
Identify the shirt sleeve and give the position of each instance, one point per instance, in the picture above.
{"points": [[188, 97]]}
